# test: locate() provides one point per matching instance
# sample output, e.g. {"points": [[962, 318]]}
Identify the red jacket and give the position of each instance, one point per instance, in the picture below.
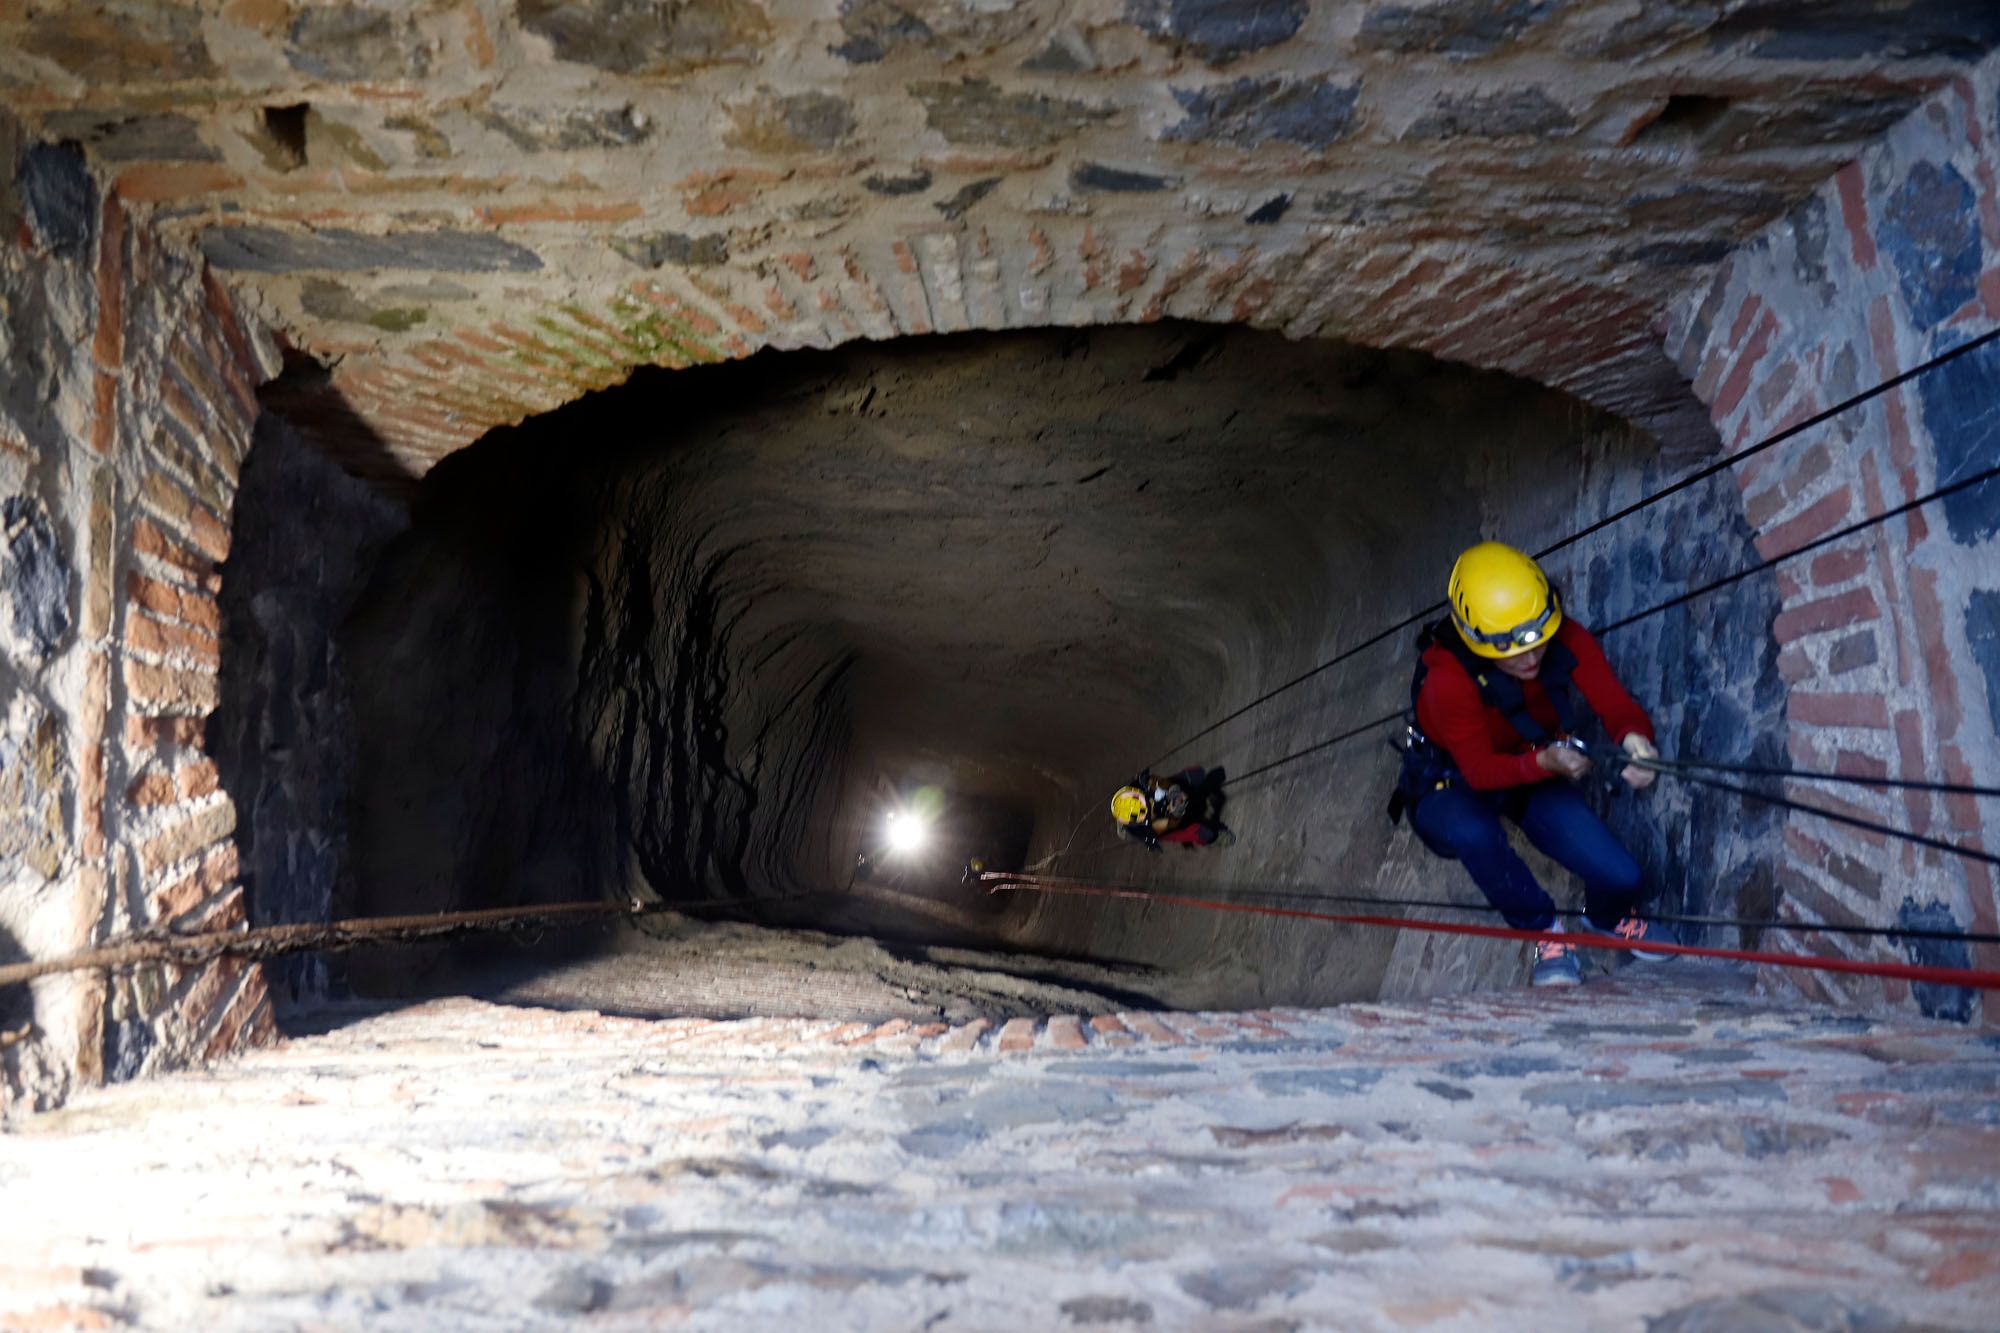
{"points": [[1487, 750]]}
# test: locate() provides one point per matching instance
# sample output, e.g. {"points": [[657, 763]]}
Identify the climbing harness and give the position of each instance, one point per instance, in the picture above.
{"points": [[1425, 767], [1923, 974]]}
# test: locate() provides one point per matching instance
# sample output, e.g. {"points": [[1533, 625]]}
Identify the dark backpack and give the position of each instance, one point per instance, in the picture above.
{"points": [[1427, 766]]}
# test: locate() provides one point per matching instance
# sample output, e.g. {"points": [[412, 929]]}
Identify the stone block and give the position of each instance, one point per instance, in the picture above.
{"points": [[327, 299], [60, 199], [1852, 653], [118, 136], [977, 111], [649, 39], [336, 250], [961, 201], [108, 45], [353, 43], [671, 247], [798, 123], [1961, 410], [1312, 113], [1218, 31], [1460, 28], [35, 783], [1982, 632], [913, 182], [1516, 112], [34, 577], [1682, 253], [876, 27], [1864, 30], [568, 129], [1952, 1003], [1095, 176], [1929, 232], [98, 583]]}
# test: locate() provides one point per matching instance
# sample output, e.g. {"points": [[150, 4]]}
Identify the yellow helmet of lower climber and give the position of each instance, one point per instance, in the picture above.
{"points": [[1129, 806], [1501, 602]]}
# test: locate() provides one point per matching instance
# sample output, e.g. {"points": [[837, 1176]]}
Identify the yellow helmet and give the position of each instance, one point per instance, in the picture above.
{"points": [[1501, 601], [1129, 806]]}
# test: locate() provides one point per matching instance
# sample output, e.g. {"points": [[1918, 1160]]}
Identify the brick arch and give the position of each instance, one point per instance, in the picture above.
{"points": [[1887, 641], [403, 408]]}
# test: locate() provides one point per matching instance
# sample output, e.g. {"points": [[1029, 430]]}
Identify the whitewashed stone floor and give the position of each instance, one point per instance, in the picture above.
{"points": [[1664, 1151]]}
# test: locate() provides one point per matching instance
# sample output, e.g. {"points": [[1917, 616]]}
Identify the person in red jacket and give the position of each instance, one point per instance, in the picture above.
{"points": [[1496, 697]]}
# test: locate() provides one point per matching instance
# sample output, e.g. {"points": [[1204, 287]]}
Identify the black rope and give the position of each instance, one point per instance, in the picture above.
{"points": [[1325, 666], [1693, 478], [1773, 441], [1326, 744], [1860, 525], [1674, 767], [1663, 918], [1670, 768], [1852, 821]]}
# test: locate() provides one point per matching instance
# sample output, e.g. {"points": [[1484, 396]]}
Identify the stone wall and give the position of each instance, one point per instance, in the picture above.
{"points": [[126, 401], [481, 209], [304, 537], [1888, 641]]}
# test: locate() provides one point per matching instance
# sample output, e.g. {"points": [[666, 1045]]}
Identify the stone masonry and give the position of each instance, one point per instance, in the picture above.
{"points": [[126, 401], [1887, 640], [460, 213], [475, 211], [1649, 1154]]}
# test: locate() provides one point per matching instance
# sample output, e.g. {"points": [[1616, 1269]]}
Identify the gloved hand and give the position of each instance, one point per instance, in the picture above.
{"points": [[1637, 778], [1565, 761]]}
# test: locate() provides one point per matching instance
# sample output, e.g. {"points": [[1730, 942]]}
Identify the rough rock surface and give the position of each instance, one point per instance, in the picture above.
{"points": [[685, 639], [1663, 1155]]}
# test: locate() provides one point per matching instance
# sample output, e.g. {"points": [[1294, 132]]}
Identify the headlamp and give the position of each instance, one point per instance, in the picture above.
{"points": [[1524, 635]]}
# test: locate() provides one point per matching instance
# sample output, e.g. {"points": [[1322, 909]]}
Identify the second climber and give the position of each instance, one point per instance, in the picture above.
{"points": [[1183, 809]]}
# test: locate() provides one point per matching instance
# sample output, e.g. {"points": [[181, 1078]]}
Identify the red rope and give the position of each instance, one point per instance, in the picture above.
{"points": [[1937, 976]]}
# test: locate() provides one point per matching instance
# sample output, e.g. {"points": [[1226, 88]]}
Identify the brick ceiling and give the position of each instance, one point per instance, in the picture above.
{"points": [[470, 211]]}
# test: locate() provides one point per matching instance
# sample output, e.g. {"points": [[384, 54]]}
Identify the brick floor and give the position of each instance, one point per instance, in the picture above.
{"points": [[1666, 1151]]}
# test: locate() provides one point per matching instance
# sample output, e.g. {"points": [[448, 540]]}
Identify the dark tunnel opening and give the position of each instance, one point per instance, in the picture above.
{"points": [[694, 639]]}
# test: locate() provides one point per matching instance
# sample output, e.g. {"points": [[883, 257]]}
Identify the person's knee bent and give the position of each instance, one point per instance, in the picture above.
{"points": [[1621, 877], [1474, 839]]}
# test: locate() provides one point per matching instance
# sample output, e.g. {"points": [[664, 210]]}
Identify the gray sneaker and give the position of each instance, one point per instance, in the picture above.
{"points": [[1555, 965]]}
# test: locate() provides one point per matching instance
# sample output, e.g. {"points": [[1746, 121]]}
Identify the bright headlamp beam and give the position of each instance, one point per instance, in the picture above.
{"points": [[906, 833]]}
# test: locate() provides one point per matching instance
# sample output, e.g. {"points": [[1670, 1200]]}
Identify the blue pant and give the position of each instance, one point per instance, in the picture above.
{"points": [[1466, 824]]}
